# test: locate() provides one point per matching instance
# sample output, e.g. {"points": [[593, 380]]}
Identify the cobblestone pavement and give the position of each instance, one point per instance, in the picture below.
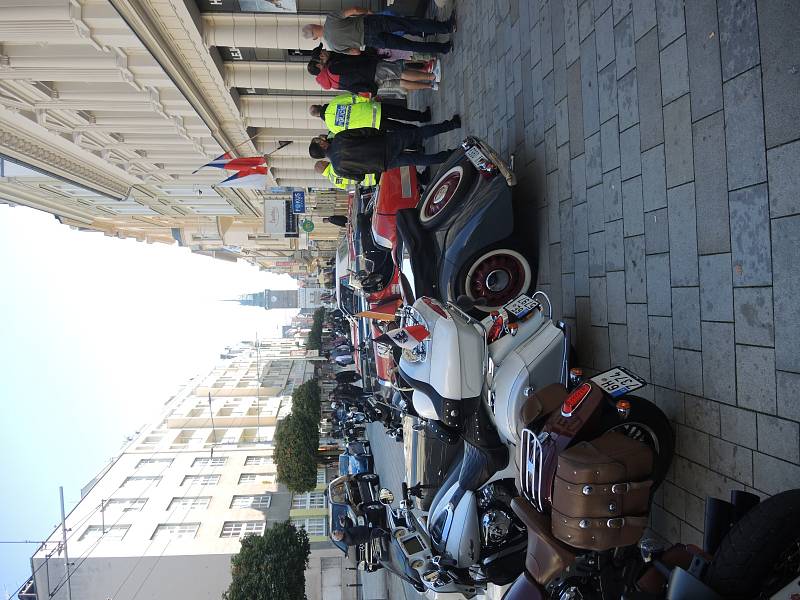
{"points": [[656, 147]]}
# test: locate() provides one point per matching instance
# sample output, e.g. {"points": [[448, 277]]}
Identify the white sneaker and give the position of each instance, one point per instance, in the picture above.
{"points": [[437, 71], [435, 86]]}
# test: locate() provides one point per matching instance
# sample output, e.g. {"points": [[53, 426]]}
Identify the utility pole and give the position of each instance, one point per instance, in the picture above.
{"points": [[64, 537]]}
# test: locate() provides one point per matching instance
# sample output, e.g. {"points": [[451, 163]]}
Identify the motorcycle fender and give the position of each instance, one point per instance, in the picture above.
{"points": [[464, 542], [535, 363]]}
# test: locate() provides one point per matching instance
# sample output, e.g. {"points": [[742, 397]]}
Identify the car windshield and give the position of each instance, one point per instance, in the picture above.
{"points": [[337, 491]]}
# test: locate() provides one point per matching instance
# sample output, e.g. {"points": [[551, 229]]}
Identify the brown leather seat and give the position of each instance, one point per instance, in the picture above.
{"points": [[546, 557]]}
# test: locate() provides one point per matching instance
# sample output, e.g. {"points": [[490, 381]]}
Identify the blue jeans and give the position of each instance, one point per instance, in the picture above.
{"points": [[381, 31]]}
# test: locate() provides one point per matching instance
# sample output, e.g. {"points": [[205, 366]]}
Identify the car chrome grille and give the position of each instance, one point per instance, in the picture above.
{"points": [[530, 466]]}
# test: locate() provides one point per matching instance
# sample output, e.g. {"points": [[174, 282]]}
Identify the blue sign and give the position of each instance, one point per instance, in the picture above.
{"points": [[298, 202]]}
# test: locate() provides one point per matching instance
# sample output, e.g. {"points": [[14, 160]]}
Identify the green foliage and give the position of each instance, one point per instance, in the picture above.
{"points": [[315, 336], [272, 566], [306, 400]]}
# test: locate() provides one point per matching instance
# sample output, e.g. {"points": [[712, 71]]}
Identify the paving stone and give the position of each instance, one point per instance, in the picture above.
{"points": [[600, 348], [716, 291], [686, 325], [615, 252], [750, 236], [674, 71], [546, 37], [567, 248], [678, 142], [670, 21], [591, 109], [559, 75], [597, 254], [638, 337], [784, 180], [624, 45], [538, 125], [580, 228], [690, 535], [753, 316], [564, 175], [778, 437], [656, 231], [607, 93], [604, 36], [562, 125], [664, 523], [599, 301], [755, 378], [744, 130], [702, 44], [609, 144], [788, 399], [632, 206], [630, 154], [701, 481], [574, 110], [711, 176], [779, 23], [644, 17], [654, 178], [618, 344], [731, 460], [692, 444], [557, 20], [641, 366], [659, 298], [578, 175], [738, 36], [596, 211], [536, 81], [635, 269], [549, 104], [648, 74], [675, 499], [627, 100], [594, 160], [554, 221], [621, 8], [585, 19], [683, 235], [582, 274], [583, 343], [786, 291], [612, 195], [772, 475], [701, 413], [688, 371], [662, 365], [571, 31], [615, 287], [738, 426], [536, 36], [719, 362], [555, 278], [568, 294]]}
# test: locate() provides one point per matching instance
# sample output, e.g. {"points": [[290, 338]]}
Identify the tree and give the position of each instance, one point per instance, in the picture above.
{"points": [[296, 443], [272, 566], [306, 400], [315, 335]]}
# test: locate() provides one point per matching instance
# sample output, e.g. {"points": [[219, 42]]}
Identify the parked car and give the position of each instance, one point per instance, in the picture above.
{"points": [[354, 461], [360, 493], [461, 239]]}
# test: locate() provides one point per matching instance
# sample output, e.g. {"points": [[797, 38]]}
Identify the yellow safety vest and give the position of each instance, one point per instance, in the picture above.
{"points": [[343, 183], [351, 111]]}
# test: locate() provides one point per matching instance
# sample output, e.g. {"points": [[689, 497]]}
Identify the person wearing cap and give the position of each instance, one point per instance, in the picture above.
{"points": [[324, 168], [350, 111], [352, 30]]}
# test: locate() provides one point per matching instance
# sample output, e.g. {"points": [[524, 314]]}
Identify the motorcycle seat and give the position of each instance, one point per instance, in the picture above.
{"points": [[546, 557]]}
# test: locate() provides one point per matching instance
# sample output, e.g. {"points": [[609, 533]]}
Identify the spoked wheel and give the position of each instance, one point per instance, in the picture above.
{"points": [[444, 194], [497, 276]]}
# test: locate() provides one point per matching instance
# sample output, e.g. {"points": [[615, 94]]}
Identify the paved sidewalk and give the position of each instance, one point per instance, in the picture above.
{"points": [[656, 146]]}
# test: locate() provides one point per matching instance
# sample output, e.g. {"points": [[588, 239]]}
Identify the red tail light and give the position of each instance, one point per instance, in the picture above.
{"points": [[575, 398]]}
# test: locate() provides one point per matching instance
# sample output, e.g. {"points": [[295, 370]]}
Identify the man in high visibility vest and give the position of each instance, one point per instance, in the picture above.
{"points": [[324, 168], [351, 111]]}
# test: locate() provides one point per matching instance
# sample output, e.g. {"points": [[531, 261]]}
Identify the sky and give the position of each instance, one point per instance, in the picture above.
{"points": [[96, 333]]}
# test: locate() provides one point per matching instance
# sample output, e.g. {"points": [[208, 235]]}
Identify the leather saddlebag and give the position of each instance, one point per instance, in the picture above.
{"points": [[601, 492]]}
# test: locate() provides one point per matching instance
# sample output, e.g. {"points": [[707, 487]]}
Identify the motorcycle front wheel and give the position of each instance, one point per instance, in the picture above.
{"points": [[761, 553]]}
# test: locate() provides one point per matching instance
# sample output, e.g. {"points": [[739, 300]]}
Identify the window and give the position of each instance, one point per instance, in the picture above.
{"points": [[249, 436], [200, 480], [189, 502], [196, 412], [309, 500], [125, 504], [256, 461], [95, 532], [321, 476], [152, 439], [141, 480], [312, 525], [255, 478], [154, 461], [233, 529], [175, 531], [206, 461], [261, 501]]}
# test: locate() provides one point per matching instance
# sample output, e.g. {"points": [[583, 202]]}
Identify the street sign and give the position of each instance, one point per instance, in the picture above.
{"points": [[298, 202], [308, 225]]}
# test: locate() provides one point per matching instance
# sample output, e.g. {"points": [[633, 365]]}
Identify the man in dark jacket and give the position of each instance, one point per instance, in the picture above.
{"points": [[355, 152]]}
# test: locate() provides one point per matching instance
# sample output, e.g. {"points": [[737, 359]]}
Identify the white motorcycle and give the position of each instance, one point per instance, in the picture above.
{"points": [[477, 379]]}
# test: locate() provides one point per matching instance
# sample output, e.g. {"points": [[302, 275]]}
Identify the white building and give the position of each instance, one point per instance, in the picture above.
{"points": [[164, 519]]}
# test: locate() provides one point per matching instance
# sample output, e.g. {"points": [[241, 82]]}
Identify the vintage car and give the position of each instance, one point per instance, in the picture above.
{"points": [[360, 493], [353, 462], [461, 240]]}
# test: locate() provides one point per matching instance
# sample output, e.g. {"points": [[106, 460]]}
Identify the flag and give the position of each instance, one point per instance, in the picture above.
{"points": [[253, 178], [404, 337], [226, 161]]}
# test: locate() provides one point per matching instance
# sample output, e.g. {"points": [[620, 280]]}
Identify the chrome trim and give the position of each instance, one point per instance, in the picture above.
{"points": [[530, 465], [549, 304]]}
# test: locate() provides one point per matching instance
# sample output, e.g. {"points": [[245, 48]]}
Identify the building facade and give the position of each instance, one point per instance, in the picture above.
{"points": [[164, 519]]}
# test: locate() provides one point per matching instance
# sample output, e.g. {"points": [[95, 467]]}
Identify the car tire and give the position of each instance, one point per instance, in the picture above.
{"points": [[503, 267], [445, 194]]}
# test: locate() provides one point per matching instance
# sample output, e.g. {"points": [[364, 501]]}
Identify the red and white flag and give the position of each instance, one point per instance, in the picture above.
{"points": [[226, 161], [405, 337], [252, 178]]}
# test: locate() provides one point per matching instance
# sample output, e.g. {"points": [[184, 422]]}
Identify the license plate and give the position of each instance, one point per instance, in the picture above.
{"points": [[476, 157], [521, 306], [618, 381]]}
